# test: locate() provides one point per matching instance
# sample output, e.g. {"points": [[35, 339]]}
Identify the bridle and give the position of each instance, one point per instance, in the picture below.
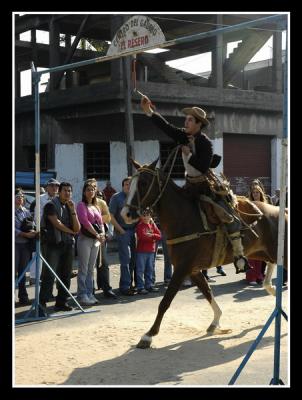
{"points": [[156, 179]]}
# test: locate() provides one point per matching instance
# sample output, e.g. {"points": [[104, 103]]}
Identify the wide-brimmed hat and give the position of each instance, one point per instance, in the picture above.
{"points": [[198, 113]]}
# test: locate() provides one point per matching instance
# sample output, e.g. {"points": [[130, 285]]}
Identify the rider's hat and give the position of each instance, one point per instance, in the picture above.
{"points": [[198, 113]]}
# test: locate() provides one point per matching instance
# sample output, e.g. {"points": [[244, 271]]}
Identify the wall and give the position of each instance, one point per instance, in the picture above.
{"points": [[69, 164], [146, 151], [118, 164], [248, 122], [69, 161], [276, 159], [218, 149]]}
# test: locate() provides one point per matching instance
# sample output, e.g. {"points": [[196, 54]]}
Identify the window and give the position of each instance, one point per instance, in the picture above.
{"points": [[30, 156], [178, 170], [97, 160]]}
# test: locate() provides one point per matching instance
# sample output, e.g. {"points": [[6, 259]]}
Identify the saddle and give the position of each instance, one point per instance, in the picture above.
{"points": [[216, 188], [214, 212]]}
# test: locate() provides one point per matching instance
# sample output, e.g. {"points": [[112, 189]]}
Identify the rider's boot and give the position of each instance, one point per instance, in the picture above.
{"points": [[240, 261]]}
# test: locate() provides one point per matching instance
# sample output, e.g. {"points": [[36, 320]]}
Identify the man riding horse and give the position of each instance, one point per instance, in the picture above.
{"points": [[198, 158]]}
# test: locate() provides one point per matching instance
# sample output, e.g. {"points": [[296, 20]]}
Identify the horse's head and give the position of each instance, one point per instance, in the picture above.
{"points": [[144, 191]]}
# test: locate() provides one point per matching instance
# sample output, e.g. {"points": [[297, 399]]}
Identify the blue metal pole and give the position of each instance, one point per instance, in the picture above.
{"points": [[35, 80], [252, 348], [280, 256], [281, 229], [24, 272], [62, 284]]}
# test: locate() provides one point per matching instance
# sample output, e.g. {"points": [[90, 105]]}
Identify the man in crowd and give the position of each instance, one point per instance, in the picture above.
{"points": [[60, 223], [125, 235]]}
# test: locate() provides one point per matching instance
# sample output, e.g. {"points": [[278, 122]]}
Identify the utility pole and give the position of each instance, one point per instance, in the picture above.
{"points": [[129, 131]]}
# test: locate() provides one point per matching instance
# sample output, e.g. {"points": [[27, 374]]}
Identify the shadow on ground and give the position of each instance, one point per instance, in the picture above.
{"points": [[167, 364]]}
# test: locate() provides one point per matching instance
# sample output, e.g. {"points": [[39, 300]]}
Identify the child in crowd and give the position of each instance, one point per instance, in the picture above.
{"points": [[147, 234]]}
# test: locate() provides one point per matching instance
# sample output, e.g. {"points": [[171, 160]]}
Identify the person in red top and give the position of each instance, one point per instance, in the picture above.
{"points": [[147, 234], [108, 192], [255, 275]]}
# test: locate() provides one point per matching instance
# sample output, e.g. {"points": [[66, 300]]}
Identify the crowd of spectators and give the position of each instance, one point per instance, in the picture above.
{"points": [[83, 230]]}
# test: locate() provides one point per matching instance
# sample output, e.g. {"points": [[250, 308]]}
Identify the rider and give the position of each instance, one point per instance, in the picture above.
{"points": [[198, 157]]}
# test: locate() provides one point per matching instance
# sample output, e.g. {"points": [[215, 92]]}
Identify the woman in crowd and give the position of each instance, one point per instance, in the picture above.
{"points": [[255, 275], [22, 241], [91, 236]]}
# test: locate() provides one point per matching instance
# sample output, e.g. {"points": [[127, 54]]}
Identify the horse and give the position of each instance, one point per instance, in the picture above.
{"points": [[190, 246]]}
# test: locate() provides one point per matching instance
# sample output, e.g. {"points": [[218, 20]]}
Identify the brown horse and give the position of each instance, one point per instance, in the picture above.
{"points": [[191, 248]]}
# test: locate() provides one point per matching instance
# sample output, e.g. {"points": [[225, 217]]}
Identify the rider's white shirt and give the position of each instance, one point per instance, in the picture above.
{"points": [[189, 169]]}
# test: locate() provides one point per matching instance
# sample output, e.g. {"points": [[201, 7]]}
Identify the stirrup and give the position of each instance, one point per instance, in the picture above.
{"points": [[246, 264]]}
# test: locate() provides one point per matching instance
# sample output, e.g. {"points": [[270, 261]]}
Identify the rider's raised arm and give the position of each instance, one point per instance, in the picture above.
{"points": [[177, 134]]}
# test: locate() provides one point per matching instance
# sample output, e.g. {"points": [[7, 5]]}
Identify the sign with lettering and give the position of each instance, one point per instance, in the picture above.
{"points": [[136, 34]]}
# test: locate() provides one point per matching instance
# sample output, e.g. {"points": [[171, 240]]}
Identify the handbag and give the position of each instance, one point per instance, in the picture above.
{"points": [[27, 225], [96, 227]]}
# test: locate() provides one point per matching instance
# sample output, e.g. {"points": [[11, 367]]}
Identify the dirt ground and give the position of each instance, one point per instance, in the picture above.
{"points": [[98, 348]]}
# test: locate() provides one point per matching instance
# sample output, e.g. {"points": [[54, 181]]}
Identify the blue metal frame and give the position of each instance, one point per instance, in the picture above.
{"points": [[36, 78], [38, 256], [278, 308]]}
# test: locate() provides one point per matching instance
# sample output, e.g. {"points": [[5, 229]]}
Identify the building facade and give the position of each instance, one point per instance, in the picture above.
{"points": [[91, 121]]}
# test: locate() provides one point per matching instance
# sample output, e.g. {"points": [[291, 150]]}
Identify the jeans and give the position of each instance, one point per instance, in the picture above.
{"points": [[102, 269], [59, 257], [88, 249], [167, 263], [126, 251], [144, 270], [22, 258]]}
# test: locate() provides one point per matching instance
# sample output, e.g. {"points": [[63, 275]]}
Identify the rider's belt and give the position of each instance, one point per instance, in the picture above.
{"points": [[196, 179]]}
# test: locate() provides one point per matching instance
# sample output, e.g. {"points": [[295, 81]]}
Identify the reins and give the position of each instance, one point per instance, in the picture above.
{"points": [[156, 174]]}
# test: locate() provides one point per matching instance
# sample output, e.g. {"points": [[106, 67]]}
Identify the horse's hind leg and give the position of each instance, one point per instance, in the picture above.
{"points": [[200, 280], [174, 285], [267, 283]]}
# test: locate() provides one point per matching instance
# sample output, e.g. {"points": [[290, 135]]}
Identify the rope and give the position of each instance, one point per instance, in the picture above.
{"points": [[170, 156], [133, 73], [187, 238]]}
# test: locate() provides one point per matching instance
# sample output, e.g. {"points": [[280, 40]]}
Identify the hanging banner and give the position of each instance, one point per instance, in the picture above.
{"points": [[136, 34]]}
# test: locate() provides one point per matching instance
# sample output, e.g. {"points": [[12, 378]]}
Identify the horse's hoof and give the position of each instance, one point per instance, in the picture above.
{"points": [[145, 342], [215, 330], [270, 290]]}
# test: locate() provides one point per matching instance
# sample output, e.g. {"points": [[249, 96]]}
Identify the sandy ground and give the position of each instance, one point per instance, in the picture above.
{"points": [[99, 348]]}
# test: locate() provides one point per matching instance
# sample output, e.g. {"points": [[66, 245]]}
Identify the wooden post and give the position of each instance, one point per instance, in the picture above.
{"points": [[277, 62], [218, 57], [54, 51], [129, 132]]}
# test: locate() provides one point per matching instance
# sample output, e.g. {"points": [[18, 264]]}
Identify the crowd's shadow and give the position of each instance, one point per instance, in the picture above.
{"points": [[21, 311], [167, 364]]}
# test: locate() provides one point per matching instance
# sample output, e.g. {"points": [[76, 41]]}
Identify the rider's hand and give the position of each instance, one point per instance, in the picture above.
{"points": [[146, 105], [186, 150]]}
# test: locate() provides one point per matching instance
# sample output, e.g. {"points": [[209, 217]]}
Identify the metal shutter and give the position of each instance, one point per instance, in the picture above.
{"points": [[246, 157]]}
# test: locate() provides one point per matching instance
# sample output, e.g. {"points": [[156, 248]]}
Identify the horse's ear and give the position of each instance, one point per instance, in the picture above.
{"points": [[153, 165], [135, 163]]}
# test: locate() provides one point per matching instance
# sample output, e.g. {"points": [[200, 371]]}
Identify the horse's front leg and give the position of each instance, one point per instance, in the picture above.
{"points": [[174, 285], [267, 283], [199, 279]]}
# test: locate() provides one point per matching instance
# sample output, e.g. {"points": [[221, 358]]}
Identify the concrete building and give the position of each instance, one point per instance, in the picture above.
{"points": [[91, 120]]}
